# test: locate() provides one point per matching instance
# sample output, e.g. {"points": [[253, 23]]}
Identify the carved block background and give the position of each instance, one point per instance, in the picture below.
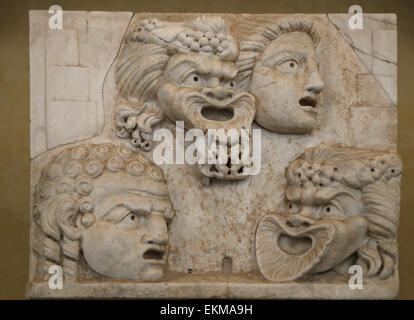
{"points": [[74, 97], [70, 65], [375, 45]]}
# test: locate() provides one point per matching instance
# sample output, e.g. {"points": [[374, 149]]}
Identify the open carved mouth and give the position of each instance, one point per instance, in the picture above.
{"points": [[294, 245], [226, 113], [217, 114], [308, 102], [312, 249], [154, 254]]}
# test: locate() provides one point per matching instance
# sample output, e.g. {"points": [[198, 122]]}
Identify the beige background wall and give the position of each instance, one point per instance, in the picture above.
{"points": [[14, 119]]}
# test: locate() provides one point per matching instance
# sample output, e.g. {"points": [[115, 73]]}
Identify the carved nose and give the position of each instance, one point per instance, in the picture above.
{"points": [[218, 93], [305, 212], [157, 232], [299, 220], [315, 83]]}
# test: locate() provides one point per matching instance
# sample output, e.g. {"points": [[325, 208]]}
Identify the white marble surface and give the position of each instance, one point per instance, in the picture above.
{"points": [[73, 98], [375, 45], [70, 65]]}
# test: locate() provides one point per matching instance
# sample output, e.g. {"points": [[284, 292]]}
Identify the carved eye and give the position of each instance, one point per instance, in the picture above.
{"points": [[229, 84], [330, 210], [124, 217], [293, 207], [290, 66], [194, 80], [132, 220]]}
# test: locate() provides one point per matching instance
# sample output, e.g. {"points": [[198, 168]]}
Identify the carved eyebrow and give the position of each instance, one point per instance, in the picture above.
{"points": [[115, 215], [133, 203], [148, 194], [182, 70], [333, 195], [185, 67], [358, 201], [278, 55], [337, 204]]}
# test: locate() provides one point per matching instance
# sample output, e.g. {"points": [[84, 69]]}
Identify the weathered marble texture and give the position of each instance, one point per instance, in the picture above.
{"points": [[376, 46], [217, 221], [67, 69]]}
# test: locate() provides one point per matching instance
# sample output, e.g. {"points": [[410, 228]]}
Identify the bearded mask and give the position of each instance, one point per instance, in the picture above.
{"points": [[186, 70], [212, 108]]}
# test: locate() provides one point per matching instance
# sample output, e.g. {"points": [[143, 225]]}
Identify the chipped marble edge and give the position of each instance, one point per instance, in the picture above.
{"points": [[215, 290]]}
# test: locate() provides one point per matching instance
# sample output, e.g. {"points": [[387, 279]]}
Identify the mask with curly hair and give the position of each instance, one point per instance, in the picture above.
{"points": [[105, 208]]}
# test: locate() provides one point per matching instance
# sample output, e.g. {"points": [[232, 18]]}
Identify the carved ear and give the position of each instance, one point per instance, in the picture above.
{"points": [[66, 215]]}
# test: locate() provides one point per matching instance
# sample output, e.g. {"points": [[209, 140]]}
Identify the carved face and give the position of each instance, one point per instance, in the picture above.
{"points": [[129, 237], [337, 202], [323, 228], [287, 83], [198, 89]]}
